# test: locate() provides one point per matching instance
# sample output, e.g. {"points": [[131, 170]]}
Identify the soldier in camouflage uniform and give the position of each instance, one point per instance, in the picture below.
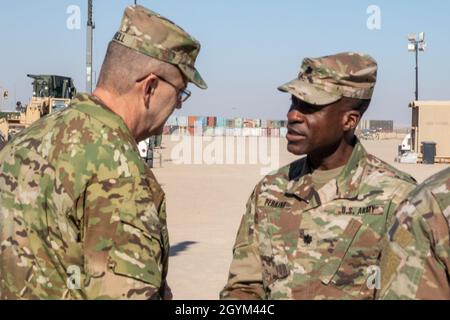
{"points": [[81, 215], [415, 262], [312, 229]]}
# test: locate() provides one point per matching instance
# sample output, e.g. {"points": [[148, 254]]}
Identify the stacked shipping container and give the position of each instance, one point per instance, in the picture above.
{"points": [[220, 126]]}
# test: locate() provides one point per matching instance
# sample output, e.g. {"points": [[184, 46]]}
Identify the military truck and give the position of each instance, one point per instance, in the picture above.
{"points": [[50, 93]]}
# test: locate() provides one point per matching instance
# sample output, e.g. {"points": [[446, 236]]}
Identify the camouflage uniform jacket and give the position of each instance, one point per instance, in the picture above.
{"points": [[415, 261], [296, 242], [76, 201]]}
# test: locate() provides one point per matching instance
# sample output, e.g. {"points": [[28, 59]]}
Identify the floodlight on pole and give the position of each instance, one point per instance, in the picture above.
{"points": [[415, 45], [422, 37]]}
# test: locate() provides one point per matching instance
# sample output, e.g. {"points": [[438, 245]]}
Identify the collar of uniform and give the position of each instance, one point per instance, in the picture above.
{"points": [[349, 180], [96, 109], [300, 183], [345, 186]]}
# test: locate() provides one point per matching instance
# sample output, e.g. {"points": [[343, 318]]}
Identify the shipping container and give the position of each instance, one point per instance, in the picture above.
{"points": [[237, 132], [182, 121], [191, 121], [264, 124], [264, 132], [198, 123], [283, 132], [249, 123], [230, 123], [275, 124], [221, 122], [201, 121], [211, 121], [238, 122]]}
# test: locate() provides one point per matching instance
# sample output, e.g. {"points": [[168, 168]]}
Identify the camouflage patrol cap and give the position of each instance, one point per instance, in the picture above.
{"points": [[151, 34], [328, 79]]}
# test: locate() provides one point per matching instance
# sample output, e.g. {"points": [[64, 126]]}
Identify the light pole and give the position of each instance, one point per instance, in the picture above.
{"points": [[89, 46], [417, 44]]}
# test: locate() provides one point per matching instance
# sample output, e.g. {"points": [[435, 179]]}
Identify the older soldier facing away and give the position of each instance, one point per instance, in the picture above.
{"points": [[312, 229], [81, 216], [415, 261]]}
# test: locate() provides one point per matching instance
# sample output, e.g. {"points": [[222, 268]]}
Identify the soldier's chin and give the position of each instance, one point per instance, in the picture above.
{"points": [[297, 148]]}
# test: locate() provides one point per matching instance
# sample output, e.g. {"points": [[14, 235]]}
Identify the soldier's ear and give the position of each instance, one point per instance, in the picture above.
{"points": [[148, 88], [351, 120]]}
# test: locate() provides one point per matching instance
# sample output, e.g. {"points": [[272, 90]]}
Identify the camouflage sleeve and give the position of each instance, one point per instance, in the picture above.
{"points": [[415, 260], [245, 277], [399, 195], [125, 241]]}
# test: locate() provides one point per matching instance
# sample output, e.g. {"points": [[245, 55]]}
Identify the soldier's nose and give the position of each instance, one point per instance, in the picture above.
{"points": [[295, 116]]}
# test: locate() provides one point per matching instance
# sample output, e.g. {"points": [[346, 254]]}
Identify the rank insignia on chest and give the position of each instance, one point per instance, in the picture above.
{"points": [[307, 238]]}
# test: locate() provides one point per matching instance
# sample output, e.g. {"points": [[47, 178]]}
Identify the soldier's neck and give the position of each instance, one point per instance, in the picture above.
{"points": [[120, 106], [334, 157]]}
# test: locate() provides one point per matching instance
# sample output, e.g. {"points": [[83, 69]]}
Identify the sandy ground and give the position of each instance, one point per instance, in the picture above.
{"points": [[205, 204]]}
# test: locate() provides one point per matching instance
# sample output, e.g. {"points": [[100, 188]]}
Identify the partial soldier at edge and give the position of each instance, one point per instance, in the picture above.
{"points": [[415, 261]]}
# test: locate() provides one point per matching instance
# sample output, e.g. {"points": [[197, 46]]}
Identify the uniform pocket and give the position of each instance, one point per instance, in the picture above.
{"points": [[278, 238], [333, 262], [349, 266], [137, 248]]}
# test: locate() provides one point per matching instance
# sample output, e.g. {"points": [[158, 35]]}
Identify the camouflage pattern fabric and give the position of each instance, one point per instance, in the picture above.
{"points": [[295, 242], [75, 195], [151, 34], [325, 80], [415, 261]]}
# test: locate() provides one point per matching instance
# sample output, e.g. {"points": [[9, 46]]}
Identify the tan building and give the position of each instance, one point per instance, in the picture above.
{"points": [[431, 123]]}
